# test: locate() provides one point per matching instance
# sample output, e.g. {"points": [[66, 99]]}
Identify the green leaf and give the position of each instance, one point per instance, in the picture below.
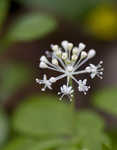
{"points": [[107, 147], [69, 148], [13, 76], [49, 144], [4, 5], [20, 143], [89, 129], [43, 116], [113, 138], [70, 9], [23, 143], [4, 131], [31, 26], [106, 100]]}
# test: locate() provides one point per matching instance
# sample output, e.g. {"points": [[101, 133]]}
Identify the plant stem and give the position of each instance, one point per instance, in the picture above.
{"points": [[73, 109], [73, 98]]}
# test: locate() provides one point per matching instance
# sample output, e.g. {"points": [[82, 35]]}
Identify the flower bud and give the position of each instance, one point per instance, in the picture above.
{"points": [[91, 53], [83, 54], [54, 61], [43, 65], [64, 56], [75, 50], [70, 46], [58, 53], [81, 46], [65, 44], [74, 57], [54, 47], [43, 59]]}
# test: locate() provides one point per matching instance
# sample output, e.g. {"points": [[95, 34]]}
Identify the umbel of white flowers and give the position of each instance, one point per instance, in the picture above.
{"points": [[67, 60]]}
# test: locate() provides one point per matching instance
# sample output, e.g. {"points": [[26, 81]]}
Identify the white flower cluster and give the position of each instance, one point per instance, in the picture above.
{"points": [[67, 60]]}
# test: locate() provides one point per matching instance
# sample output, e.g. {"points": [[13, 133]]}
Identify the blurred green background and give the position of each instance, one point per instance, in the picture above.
{"points": [[32, 120]]}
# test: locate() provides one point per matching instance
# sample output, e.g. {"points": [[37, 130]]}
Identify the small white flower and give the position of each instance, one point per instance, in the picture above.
{"points": [[66, 91], [82, 86], [67, 60], [47, 83], [95, 70]]}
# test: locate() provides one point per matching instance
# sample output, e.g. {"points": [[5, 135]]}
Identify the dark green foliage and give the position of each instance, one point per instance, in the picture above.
{"points": [[12, 78], [4, 6], [4, 128], [30, 27], [67, 8], [45, 117], [106, 100]]}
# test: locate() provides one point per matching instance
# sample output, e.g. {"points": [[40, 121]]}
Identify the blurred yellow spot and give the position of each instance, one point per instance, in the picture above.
{"points": [[102, 22]]}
